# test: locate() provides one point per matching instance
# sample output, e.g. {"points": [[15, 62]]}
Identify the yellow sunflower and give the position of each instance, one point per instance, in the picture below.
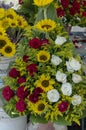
{"points": [[2, 31], [38, 108], [2, 13], [45, 82], [45, 25], [13, 23], [9, 50], [5, 23], [21, 22], [3, 41], [42, 2], [10, 13], [43, 56]]}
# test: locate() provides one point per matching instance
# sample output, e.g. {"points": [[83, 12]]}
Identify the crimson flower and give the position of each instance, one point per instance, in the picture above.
{"points": [[38, 90], [65, 3], [22, 92], [32, 68], [25, 58], [21, 105], [35, 43], [44, 41], [84, 14], [7, 93], [14, 73], [21, 80], [63, 106], [20, 1], [60, 12], [33, 98], [76, 5]]}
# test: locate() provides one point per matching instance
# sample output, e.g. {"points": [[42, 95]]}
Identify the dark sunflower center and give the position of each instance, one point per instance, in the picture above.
{"points": [[2, 43], [19, 23], [45, 83], [0, 33], [41, 107], [10, 16], [43, 57], [8, 49], [46, 26]]}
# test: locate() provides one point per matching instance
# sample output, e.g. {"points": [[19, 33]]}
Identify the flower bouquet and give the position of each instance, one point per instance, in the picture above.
{"points": [[46, 80], [72, 13]]}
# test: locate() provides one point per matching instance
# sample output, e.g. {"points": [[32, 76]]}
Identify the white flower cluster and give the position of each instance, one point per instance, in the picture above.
{"points": [[66, 87]]}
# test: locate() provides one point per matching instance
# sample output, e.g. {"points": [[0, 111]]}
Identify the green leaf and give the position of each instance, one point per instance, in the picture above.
{"points": [[62, 121], [37, 119]]}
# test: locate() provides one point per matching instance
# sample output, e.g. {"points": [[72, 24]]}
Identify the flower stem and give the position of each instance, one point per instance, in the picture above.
{"points": [[45, 13]]}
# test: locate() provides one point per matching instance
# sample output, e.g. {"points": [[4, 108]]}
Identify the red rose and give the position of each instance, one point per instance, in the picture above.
{"points": [[76, 5], [21, 80], [21, 105], [72, 11], [25, 58], [65, 3], [35, 43], [60, 12], [84, 3], [7, 93], [22, 92], [38, 90], [45, 41], [84, 14], [33, 98], [63, 106], [14, 73], [32, 68]]}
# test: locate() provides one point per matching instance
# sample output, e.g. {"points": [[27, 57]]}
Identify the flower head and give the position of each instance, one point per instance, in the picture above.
{"points": [[63, 106], [42, 3]]}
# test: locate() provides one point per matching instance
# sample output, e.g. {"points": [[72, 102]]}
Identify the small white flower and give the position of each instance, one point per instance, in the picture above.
{"points": [[61, 77], [72, 65], [56, 60], [53, 95], [66, 89], [60, 40], [76, 78], [76, 99]]}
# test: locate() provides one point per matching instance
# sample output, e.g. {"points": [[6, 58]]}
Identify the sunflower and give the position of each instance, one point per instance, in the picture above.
{"points": [[2, 31], [3, 41], [13, 23], [46, 25], [45, 82], [21, 21], [43, 56], [42, 2], [5, 23], [38, 108], [2, 13], [9, 50], [10, 13]]}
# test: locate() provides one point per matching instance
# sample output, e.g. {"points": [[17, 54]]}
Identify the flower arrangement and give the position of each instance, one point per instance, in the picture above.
{"points": [[72, 12], [12, 29], [46, 79]]}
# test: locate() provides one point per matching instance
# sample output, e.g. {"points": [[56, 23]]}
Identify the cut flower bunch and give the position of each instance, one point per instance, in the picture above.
{"points": [[12, 29], [47, 78], [72, 12]]}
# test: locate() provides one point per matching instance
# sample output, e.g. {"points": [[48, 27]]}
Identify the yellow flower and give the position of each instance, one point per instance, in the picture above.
{"points": [[21, 21], [43, 56], [45, 82], [5, 23], [10, 13], [3, 41], [9, 50], [39, 107], [2, 31], [46, 25], [42, 2], [2, 13], [13, 23]]}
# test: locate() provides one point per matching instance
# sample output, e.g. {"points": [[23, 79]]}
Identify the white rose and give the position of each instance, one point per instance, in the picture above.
{"points": [[76, 99], [60, 40], [66, 89], [15, 3], [56, 60], [72, 65], [53, 95], [61, 77], [76, 78]]}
